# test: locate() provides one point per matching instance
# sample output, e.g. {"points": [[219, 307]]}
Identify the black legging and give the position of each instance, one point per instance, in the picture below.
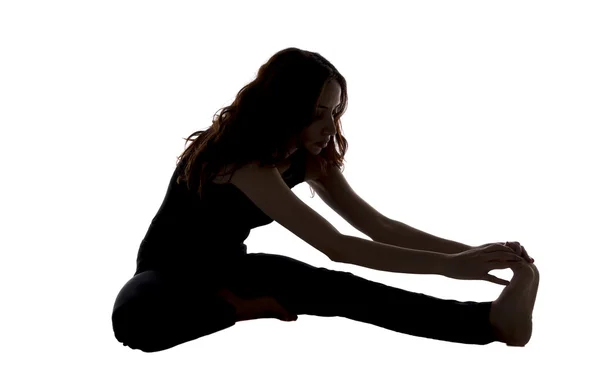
{"points": [[155, 311]]}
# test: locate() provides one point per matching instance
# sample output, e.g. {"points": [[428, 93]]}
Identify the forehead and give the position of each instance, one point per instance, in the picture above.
{"points": [[331, 95]]}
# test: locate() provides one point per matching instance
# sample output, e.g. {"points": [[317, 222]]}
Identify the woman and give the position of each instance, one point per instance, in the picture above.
{"points": [[194, 276]]}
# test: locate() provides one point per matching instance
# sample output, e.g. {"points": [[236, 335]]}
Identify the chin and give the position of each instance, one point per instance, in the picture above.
{"points": [[314, 149]]}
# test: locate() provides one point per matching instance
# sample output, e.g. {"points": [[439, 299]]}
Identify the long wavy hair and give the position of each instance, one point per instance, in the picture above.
{"points": [[266, 120]]}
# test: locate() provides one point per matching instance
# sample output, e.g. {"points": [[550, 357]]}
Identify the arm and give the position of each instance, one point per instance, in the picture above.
{"points": [[402, 235], [336, 192], [386, 257]]}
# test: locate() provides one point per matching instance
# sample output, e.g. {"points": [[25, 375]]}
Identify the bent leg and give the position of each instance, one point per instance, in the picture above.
{"points": [[153, 312]]}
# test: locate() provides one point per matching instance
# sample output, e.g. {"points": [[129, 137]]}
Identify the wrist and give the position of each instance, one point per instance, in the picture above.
{"points": [[446, 262], [440, 262], [456, 247]]}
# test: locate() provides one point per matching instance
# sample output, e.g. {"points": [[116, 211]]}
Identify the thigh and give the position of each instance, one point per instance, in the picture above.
{"points": [[155, 311]]}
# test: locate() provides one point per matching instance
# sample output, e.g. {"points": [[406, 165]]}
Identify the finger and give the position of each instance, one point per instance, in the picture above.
{"points": [[505, 257], [520, 249], [515, 256], [517, 264], [515, 246], [496, 280], [527, 255], [498, 248], [503, 264]]}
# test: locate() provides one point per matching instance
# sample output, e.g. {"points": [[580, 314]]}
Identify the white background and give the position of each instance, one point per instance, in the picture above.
{"points": [[471, 120]]}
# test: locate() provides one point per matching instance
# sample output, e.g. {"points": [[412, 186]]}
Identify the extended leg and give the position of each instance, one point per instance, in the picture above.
{"points": [[304, 289]]}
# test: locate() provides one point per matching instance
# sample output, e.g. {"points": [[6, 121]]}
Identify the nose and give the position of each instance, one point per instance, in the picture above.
{"points": [[330, 130]]}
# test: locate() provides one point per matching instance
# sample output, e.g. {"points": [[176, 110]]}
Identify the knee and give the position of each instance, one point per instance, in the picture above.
{"points": [[130, 329]]}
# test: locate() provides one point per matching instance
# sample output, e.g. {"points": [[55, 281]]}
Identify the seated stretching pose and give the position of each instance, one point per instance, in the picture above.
{"points": [[194, 276]]}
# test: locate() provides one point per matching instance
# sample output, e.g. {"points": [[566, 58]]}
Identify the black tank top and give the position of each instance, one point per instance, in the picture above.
{"points": [[192, 233]]}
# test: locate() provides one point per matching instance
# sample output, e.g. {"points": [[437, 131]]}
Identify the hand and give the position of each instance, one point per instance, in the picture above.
{"points": [[474, 264], [516, 247], [519, 250]]}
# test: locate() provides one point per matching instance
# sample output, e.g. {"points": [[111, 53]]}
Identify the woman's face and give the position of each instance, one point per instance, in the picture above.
{"points": [[317, 135]]}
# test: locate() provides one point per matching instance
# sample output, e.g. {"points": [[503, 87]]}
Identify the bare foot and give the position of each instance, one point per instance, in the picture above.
{"points": [[534, 287], [511, 313]]}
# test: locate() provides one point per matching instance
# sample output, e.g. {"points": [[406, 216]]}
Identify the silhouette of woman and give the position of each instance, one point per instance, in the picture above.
{"points": [[194, 276]]}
